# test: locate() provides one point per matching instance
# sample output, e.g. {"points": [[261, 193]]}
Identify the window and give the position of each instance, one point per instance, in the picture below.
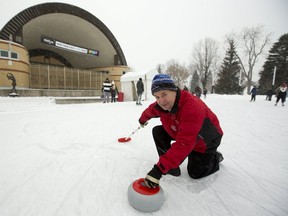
{"points": [[14, 55], [5, 54]]}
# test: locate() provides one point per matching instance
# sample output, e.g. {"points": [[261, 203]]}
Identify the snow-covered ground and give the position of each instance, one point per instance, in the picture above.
{"points": [[65, 160]]}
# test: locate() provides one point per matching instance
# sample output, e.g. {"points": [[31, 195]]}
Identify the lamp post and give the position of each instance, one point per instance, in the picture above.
{"points": [[274, 57], [274, 75], [240, 77]]}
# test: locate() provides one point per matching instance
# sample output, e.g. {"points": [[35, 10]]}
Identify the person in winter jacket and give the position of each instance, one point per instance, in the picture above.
{"points": [[189, 124], [114, 92], [253, 93], [269, 94], [140, 90], [205, 92], [106, 88], [198, 91], [281, 93]]}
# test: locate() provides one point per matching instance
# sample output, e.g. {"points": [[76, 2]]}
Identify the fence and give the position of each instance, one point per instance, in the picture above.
{"points": [[56, 77]]}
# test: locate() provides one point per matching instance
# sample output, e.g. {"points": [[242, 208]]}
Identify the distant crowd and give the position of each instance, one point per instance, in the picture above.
{"points": [[280, 94], [197, 91], [109, 89]]}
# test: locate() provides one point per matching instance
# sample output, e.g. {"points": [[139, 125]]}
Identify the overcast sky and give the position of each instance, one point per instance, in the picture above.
{"points": [[155, 31]]}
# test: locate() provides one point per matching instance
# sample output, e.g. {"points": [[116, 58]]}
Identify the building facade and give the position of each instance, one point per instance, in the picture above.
{"points": [[59, 46]]}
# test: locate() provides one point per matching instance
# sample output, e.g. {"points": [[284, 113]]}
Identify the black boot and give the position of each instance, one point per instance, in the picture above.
{"points": [[174, 172], [219, 156]]}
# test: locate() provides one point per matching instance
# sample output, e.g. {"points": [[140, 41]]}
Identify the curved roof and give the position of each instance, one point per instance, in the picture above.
{"points": [[70, 25]]}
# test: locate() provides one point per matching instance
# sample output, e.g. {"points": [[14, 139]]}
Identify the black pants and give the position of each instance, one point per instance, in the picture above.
{"points": [[199, 164], [113, 98], [282, 96]]}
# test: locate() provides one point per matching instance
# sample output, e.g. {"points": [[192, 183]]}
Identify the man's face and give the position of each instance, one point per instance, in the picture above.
{"points": [[165, 99]]}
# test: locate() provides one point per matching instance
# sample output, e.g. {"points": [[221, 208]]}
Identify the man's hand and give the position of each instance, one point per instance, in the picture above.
{"points": [[151, 183], [153, 177], [143, 124]]}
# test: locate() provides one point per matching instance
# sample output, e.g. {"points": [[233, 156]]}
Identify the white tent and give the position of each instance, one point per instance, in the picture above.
{"points": [[129, 81]]}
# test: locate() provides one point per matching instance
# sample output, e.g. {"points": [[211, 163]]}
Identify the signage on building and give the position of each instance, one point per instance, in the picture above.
{"points": [[66, 46]]}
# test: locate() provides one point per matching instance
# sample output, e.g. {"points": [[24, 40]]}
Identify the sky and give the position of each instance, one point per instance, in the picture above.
{"points": [[154, 32], [65, 159]]}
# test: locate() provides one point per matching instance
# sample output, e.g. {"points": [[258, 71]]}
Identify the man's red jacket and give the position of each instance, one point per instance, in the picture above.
{"points": [[192, 125]]}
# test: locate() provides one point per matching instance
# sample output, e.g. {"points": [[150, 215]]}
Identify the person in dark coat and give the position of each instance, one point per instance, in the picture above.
{"points": [[253, 93], [185, 88], [189, 129], [269, 94], [140, 90], [205, 92], [281, 93], [198, 91]]}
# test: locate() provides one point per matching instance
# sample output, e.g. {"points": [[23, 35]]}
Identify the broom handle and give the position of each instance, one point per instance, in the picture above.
{"points": [[132, 133]]}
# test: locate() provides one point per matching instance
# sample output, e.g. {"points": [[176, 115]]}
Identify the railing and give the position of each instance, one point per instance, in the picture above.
{"points": [[56, 77]]}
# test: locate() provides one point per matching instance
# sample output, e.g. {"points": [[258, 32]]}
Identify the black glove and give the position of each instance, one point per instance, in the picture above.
{"points": [[153, 177], [143, 124]]}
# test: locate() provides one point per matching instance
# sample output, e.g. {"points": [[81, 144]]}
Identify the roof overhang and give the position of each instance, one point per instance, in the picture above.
{"points": [[70, 25]]}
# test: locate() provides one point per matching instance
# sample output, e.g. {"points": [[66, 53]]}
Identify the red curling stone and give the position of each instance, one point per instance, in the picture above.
{"points": [[143, 198]]}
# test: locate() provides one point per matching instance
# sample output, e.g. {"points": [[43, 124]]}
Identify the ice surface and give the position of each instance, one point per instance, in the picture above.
{"points": [[60, 160]]}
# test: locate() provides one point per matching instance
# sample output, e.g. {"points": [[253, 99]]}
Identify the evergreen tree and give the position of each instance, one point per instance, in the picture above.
{"points": [[194, 81], [159, 69], [278, 57], [228, 82]]}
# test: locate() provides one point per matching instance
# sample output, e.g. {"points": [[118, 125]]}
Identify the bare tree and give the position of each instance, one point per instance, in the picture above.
{"points": [[204, 58], [179, 73], [252, 44]]}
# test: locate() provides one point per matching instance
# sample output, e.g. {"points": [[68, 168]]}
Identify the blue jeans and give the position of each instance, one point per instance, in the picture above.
{"points": [[106, 96]]}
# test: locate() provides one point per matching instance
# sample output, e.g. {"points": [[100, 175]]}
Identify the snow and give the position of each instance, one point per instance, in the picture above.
{"points": [[60, 160]]}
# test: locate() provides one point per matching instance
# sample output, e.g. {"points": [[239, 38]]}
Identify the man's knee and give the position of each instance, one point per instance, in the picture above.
{"points": [[195, 169], [157, 130], [201, 165]]}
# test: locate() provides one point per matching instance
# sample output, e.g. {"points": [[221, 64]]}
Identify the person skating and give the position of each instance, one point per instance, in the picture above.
{"points": [[198, 91], [253, 94], [187, 122], [140, 90], [281, 93], [269, 94], [205, 92]]}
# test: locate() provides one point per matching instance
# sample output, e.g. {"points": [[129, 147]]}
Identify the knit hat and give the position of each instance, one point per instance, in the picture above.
{"points": [[162, 82]]}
